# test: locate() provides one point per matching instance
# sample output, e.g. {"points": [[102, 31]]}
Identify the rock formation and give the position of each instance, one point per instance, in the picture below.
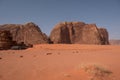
{"points": [[28, 33], [64, 32], [78, 33]]}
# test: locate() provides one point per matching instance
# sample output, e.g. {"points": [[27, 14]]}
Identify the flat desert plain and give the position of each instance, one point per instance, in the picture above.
{"points": [[61, 62]]}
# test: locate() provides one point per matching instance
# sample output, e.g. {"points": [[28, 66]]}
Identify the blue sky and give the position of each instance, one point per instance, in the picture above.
{"points": [[47, 13]]}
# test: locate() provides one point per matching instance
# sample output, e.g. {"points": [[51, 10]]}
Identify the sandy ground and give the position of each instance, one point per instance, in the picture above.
{"points": [[57, 62]]}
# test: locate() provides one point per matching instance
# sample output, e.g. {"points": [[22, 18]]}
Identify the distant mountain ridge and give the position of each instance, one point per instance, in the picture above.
{"points": [[114, 42]]}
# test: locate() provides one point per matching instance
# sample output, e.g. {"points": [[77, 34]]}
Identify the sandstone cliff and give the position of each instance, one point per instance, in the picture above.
{"points": [[78, 33], [28, 33]]}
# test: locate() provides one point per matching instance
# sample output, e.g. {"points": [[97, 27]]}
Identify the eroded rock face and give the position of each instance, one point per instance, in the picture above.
{"points": [[60, 34], [78, 33], [28, 33], [104, 35]]}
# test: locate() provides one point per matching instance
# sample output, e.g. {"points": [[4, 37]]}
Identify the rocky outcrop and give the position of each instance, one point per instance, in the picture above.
{"points": [[78, 33], [64, 32], [28, 33]]}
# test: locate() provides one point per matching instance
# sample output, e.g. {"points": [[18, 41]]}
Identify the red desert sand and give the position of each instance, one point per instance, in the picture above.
{"points": [[61, 62]]}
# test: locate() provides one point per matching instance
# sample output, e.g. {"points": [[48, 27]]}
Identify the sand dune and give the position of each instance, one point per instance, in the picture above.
{"points": [[59, 62]]}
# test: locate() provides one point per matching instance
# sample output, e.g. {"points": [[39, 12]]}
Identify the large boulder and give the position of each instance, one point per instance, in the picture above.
{"points": [[28, 33], [78, 33]]}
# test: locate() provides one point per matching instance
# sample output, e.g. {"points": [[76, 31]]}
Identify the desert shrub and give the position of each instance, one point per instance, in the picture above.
{"points": [[97, 72]]}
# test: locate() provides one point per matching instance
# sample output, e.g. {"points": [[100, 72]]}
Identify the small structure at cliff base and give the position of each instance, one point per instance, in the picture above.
{"points": [[5, 40]]}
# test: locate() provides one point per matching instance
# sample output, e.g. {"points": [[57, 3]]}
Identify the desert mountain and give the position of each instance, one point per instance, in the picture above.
{"points": [[78, 33], [63, 33], [28, 33]]}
